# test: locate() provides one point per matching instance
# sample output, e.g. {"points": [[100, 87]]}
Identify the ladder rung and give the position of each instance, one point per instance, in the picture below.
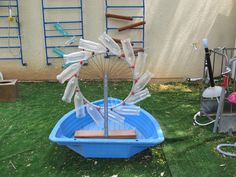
{"points": [[8, 6], [54, 57], [5, 16], [51, 8], [124, 7], [137, 41], [115, 28], [137, 16], [66, 29], [69, 46], [10, 58], [6, 27], [55, 36], [52, 22], [6, 47], [6, 37]]}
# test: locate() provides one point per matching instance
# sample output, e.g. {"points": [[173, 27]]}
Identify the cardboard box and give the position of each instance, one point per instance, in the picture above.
{"points": [[8, 90]]}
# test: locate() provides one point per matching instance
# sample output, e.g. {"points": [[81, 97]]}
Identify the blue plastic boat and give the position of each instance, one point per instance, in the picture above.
{"points": [[147, 129]]}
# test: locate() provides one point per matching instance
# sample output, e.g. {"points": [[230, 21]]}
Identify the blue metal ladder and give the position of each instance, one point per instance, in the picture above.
{"points": [[140, 6], [74, 27], [17, 46]]}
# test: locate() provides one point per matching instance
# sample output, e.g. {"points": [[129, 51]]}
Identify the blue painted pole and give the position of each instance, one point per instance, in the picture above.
{"points": [[19, 34]]}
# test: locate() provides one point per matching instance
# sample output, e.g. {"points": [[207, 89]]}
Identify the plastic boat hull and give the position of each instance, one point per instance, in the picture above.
{"points": [[148, 131]]}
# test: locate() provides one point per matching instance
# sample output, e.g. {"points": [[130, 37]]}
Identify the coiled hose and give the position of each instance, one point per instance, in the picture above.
{"points": [[198, 114], [218, 148]]}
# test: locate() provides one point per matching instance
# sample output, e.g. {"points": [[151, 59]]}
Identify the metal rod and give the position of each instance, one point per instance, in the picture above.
{"points": [[7, 27], [10, 58], [7, 37], [219, 110], [106, 3], [53, 22], [124, 7], [66, 29], [5, 16], [82, 18], [3, 6], [19, 34], [6, 47], [62, 46], [57, 8], [49, 57], [59, 36], [105, 104], [143, 37], [44, 29]]}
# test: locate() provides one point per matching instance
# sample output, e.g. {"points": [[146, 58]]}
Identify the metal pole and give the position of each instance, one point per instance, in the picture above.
{"points": [[45, 34], [105, 104], [19, 33], [219, 110]]}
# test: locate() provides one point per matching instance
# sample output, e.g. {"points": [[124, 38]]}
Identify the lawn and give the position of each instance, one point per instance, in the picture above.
{"points": [[187, 151]]}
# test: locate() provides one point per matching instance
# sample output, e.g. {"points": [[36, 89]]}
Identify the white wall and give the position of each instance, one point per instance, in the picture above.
{"points": [[172, 26]]}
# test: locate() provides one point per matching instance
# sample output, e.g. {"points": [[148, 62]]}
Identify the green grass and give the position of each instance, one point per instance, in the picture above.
{"points": [[26, 151], [187, 151]]}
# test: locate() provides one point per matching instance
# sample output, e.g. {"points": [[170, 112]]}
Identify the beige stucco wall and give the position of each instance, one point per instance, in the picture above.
{"points": [[172, 26]]}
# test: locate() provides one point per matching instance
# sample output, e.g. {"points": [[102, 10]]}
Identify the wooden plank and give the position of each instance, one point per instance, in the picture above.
{"points": [[115, 134], [122, 17], [131, 26], [118, 41]]}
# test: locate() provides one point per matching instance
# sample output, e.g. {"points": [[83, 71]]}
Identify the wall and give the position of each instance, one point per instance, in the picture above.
{"points": [[172, 26]]}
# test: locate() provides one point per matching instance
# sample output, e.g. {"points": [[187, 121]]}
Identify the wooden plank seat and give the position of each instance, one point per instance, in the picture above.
{"points": [[113, 134]]}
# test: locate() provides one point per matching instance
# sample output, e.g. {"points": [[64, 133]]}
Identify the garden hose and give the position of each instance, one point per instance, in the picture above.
{"points": [[198, 114], [218, 148]]}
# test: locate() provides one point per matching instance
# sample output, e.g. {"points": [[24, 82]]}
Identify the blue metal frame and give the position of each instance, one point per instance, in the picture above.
{"points": [[47, 23], [141, 7], [3, 17]]}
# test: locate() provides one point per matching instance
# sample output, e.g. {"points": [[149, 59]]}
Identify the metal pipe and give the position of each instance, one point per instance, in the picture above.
{"points": [[124, 7], [61, 8], [19, 34], [143, 31], [45, 34], [82, 18], [105, 104], [208, 60], [53, 22], [219, 110]]}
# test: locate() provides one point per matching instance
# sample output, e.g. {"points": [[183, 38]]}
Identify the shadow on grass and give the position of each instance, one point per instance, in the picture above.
{"points": [[148, 163]]}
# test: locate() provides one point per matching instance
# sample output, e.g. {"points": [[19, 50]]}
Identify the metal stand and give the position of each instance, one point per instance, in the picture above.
{"points": [[105, 104], [219, 110]]}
